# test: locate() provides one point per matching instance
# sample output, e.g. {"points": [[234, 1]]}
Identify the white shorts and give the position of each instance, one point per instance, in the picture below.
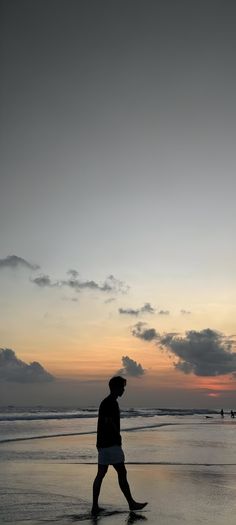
{"points": [[111, 455]]}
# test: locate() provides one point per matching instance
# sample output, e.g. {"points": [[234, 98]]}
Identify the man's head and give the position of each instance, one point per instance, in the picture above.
{"points": [[117, 385]]}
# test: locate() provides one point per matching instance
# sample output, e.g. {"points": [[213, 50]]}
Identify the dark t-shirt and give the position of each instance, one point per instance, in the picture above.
{"points": [[108, 428]]}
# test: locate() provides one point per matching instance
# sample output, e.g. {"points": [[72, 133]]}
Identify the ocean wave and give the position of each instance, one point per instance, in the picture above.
{"points": [[40, 417], [30, 414]]}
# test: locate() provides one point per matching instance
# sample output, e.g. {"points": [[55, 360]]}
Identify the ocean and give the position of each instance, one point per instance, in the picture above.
{"points": [[177, 435], [42, 449]]}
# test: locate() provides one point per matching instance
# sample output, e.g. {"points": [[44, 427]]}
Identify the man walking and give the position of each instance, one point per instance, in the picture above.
{"points": [[109, 445]]}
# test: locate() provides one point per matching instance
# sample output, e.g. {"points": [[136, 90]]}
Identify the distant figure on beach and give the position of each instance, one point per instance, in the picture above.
{"points": [[222, 412], [109, 445], [232, 413]]}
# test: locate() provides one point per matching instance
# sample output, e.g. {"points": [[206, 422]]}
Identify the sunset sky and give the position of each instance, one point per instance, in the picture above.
{"points": [[117, 201]]}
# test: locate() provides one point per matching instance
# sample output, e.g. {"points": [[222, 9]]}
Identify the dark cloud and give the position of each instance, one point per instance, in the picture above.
{"points": [[129, 311], [146, 308], [163, 312], [147, 334], [111, 284], [131, 367], [44, 281], [14, 370], [204, 353], [80, 285], [185, 312], [166, 338], [13, 261]]}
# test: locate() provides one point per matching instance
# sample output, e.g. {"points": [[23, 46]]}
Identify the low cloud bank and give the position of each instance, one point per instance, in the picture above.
{"points": [[14, 370]]}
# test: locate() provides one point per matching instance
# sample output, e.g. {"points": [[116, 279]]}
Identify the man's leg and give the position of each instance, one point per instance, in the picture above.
{"points": [[124, 486], [102, 470]]}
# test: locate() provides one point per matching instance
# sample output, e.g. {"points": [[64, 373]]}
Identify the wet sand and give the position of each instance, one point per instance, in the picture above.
{"points": [[37, 492]]}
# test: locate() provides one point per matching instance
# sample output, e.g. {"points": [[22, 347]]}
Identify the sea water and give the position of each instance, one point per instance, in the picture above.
{"points": [[173, 436], [43, 452]]}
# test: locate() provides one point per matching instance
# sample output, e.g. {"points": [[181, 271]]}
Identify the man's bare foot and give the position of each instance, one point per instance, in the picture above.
{"points": [[137, 506], [95, 510]]}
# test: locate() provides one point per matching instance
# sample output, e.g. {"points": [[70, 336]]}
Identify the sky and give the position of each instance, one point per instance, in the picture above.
{"points": [[117, 202]]}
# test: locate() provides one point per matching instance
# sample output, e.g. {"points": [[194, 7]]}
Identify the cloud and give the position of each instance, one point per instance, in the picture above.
{"points": [[111, 284], [164, 312], [44, 281], [147, 334], [167, 338], [131, 367], [146, 308], [80, 285], [14, 370], [128, 311], [203, 353], [185, 312], [13, 261]]}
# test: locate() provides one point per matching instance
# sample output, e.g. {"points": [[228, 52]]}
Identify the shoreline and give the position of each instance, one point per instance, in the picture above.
{"points": [[42, 492]]}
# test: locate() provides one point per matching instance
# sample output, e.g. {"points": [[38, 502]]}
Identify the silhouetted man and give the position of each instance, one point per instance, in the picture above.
{"points": [[109, 445]]}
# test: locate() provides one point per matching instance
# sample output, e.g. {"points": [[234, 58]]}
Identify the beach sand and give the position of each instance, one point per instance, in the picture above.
{"points": [[41, 492]]}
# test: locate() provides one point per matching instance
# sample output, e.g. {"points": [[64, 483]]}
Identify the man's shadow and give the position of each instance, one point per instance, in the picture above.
{"points": [[132, 518]]}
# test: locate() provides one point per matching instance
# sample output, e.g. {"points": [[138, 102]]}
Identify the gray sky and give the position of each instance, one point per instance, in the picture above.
{"points": [[118, 153]]}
